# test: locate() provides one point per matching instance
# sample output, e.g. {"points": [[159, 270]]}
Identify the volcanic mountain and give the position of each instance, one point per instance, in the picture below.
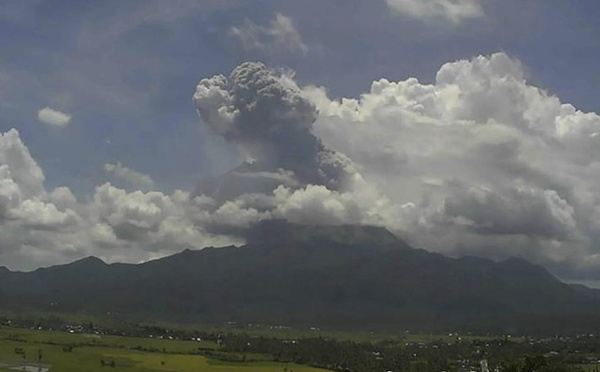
{"points": [[343, 277]]}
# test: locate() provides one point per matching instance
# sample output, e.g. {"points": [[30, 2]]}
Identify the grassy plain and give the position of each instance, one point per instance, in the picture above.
{"points": [[90, 350]]}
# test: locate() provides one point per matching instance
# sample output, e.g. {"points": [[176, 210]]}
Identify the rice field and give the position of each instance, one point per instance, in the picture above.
{"points": [[50, 351]]}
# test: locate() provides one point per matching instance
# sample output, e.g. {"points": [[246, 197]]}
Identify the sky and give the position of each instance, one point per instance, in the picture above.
{"points": [[134, 129]]}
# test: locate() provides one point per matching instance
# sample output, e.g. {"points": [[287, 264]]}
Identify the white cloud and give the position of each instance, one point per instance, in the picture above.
{"points": [[10, 194], [280, 35], [153, 222], [129, 176], [43, 215], [517, 211], [29, 219], [62, 198], [23, 169], [238, 214], [282, 176], [453, 10], [479, 162], [41, 228], [490, 164], [54, 117]]}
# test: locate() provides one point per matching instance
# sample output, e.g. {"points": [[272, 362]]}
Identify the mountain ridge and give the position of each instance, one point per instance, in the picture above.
{"points": [[327, 276]]}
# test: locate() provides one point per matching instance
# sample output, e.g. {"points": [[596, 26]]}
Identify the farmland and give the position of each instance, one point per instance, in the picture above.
{"points": [[93, 345], [65, 352]]}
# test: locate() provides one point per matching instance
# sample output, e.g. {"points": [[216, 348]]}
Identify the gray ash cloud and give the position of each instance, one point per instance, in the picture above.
{"points": [[270, 123]]}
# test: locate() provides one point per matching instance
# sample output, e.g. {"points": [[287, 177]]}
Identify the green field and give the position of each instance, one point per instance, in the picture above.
{"points": [[90, 351]]}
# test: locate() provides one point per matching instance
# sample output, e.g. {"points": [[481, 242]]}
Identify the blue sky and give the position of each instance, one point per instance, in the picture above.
{"points": [[101, 96]]}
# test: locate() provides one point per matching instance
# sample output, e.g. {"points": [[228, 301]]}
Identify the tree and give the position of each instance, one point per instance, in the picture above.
{"points": [[534, 363]]}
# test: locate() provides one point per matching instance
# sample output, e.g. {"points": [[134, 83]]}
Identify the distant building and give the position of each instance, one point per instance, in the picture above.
{"points": [[484, 365]]}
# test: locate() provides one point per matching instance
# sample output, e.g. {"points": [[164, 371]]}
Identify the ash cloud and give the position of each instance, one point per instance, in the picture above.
{"points": [[266, 116]]}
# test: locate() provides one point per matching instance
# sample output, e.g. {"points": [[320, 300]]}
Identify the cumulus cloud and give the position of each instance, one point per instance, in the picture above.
{"points": [[455, 11], [516, 211], [492, 165], [40, 227], [147, 219], [26, 209], [479, 162], [19, 166], [53, 117], [280, 35], [42, 215], [129, 176]]}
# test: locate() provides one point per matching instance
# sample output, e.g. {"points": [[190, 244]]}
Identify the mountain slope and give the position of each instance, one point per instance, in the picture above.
{"points": [[338, 277]]}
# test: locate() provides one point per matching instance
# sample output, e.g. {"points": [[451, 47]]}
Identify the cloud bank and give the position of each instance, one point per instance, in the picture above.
{"points": [[494, 166], [479, 162]]}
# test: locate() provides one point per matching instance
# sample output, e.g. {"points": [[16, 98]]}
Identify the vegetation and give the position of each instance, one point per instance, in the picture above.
{"points": [[139, 347], [82, 351]]}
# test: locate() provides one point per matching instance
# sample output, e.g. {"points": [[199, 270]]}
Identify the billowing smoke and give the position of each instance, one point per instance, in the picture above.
{"points": [[268, 119]]}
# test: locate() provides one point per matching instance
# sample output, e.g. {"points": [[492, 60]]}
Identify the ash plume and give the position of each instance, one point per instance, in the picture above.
{"points": [[270, 122]]}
